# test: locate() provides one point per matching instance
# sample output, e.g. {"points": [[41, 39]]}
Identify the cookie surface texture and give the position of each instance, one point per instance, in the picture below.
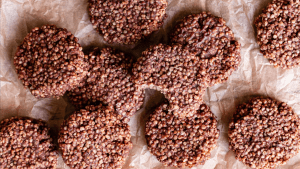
{"points": [[50, 61], [26, 143], [110, 82], [126, 21], [95, 137], [209, 38], [278, 33], [174, 72], [181, 142], [264, 133]]}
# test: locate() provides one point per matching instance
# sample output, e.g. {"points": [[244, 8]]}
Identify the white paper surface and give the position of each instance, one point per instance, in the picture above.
{"points": [[255, 75]]}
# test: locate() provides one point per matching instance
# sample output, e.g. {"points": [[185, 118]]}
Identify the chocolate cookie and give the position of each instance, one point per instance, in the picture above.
{"points": [[181, 142], [25, 143], [175, 72], [278, 32], [264, 133], [95, 137], [212, 41], [126, 22], [108, 81], [50, 61]]}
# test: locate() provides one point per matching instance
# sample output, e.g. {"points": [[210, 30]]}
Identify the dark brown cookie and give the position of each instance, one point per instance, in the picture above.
{"points": [[95, 137], [278, 33], [25, 143], [126, 22], [108, 81], [50, 61], [181, 142], [174, 72], [212, 41], [264, 133]]}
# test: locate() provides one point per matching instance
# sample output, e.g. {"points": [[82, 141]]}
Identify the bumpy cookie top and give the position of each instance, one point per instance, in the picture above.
{"points": [[278, 33], [212, 41], [126, 21], [25, 143], [181, 142], [95, 137], [175, 72], [50, 61], [264, 133], [110, 82]]}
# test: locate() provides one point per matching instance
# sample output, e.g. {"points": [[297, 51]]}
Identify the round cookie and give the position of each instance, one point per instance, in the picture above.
{"points": [[50, 61], [278, 33], [25, 143], [174, 72], [108, 81], [95, 137], [126, 22], [264, 133], [212, 41], [181, 142]]}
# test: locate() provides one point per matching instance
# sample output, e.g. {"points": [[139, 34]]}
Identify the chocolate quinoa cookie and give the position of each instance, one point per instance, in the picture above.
{"points": [[25, 143], [212, 41], [126, 22], [50, 61], [181, 142], [174, 72], [278, 31], [264, 133], [108, 81], [95, 137]]}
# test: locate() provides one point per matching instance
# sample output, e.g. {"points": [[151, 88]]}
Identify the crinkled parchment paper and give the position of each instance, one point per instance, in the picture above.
{"points": [[255, 75]]}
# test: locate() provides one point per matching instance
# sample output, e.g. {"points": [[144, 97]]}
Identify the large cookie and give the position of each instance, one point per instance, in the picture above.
{"points": [[181, 142], [264, 133], [50, 61], [95, 138]]}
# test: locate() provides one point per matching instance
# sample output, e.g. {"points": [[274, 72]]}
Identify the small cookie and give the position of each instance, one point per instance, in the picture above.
{"points": [[181, 142], [264, 133], [95, 137], [109, 82], [174, 72], [126, 22], [50, 61], [278, 33], [25, 143], [212, 41]]}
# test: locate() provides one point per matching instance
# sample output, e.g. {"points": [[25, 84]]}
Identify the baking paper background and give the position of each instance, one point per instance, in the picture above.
{"points": [[255, 75]]}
